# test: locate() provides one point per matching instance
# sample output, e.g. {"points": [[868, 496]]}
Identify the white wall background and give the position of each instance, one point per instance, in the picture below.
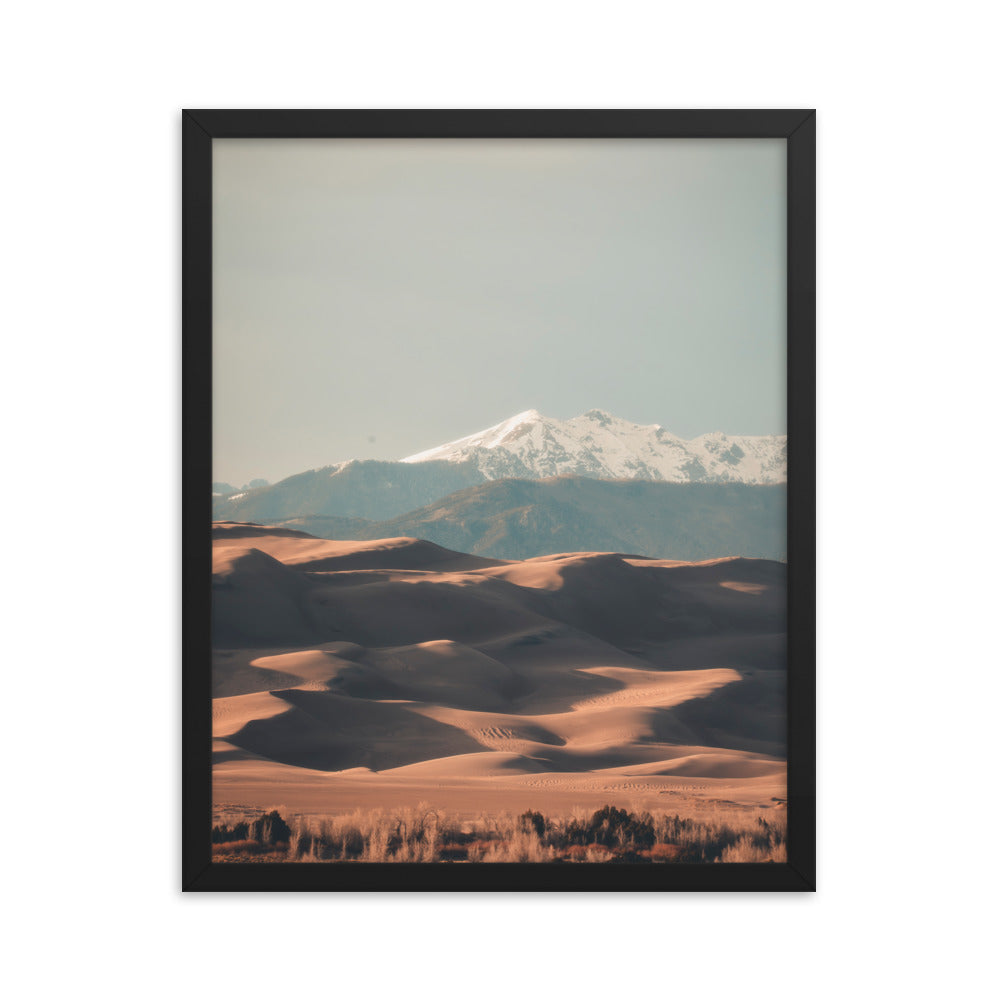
{"points": [[90, 404]]}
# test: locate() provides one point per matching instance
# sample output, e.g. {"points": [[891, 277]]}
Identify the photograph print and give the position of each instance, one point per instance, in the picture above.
{"points": [[499, 511]]}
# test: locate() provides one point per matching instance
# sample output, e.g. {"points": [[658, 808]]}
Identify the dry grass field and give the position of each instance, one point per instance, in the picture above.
{"points": [[424, 834]]}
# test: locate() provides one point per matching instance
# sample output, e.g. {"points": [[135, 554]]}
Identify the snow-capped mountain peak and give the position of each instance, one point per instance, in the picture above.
{"points": [[599, 445]]}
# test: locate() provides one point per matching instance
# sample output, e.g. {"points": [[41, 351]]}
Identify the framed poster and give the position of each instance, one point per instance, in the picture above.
{"points": [[499, 505]]}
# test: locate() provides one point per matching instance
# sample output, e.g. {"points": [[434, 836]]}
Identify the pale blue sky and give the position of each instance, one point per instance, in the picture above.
{"points": [[374, 298]]}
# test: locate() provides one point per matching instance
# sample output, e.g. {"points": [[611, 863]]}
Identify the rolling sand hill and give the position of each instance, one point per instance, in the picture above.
{"points": [[384, 673]]}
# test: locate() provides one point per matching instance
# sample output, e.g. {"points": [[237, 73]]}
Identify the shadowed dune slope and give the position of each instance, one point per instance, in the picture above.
{"points": [[405, 659]]}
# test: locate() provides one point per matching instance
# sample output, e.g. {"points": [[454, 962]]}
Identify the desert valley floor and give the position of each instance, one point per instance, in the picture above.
{"points": [[381, 674]]}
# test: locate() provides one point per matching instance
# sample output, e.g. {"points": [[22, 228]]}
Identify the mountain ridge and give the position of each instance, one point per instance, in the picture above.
{"points": [[524, 519], [601, 446]]}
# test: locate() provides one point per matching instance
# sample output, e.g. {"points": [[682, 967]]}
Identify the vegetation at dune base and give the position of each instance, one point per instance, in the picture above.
{"points": [[424, 834]]}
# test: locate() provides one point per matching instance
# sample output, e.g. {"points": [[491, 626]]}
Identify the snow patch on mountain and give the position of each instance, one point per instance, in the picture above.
{"points": [[601, 446]]}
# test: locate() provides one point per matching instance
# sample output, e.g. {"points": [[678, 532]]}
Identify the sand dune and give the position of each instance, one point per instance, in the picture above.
{"points": [[231, 715], [296, 548], [367, 673]]}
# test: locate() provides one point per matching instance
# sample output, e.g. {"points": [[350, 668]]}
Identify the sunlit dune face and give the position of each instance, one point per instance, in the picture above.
{"points": [[745, 588]]}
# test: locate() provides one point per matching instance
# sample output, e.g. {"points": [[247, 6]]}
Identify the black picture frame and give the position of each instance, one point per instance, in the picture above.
{"points": [[200, 127]]}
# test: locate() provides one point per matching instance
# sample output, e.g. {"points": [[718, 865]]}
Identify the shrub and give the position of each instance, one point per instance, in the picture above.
{"points": [[270, 829], [532, 821], [267, 829], [611, 827], [226, 834]]}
